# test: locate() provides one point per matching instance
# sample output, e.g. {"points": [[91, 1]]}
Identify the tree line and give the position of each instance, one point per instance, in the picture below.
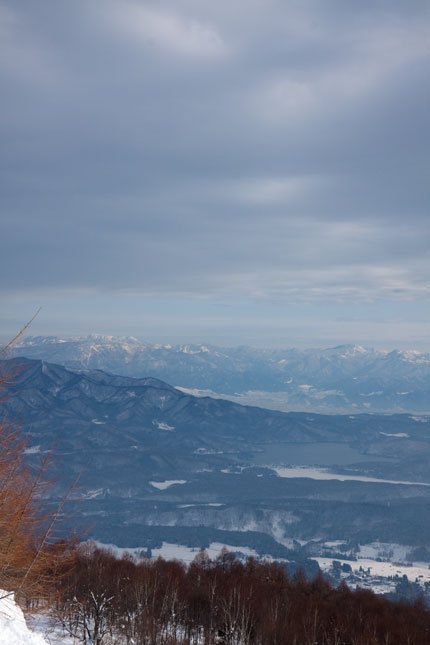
{"points": [[224, 601]]}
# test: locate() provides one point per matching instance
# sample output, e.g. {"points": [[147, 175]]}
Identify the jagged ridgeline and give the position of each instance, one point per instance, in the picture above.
{"points": [[343, 379]]}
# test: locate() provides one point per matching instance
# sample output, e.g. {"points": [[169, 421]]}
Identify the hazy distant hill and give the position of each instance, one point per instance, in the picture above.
{"points": [[342, 379]]}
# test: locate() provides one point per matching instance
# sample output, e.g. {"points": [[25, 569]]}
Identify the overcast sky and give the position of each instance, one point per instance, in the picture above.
{"points": [[241, 171]]}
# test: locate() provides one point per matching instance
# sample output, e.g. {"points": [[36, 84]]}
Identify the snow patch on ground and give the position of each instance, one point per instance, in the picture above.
{"points": [[207, 451], [381, 569], [170, 551], [32, 451], [197, 392], [96, 492], [199, 505], [324, 474], [163, 426], [167, 483], [187, 554], [13, 628], [394, 434]]}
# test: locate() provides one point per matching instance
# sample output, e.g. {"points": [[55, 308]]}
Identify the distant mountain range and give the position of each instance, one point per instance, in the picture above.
{"points": [[159, 462], [343, 379]]}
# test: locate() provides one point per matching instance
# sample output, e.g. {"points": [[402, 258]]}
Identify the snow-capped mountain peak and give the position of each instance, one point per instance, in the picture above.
{"points": [[341, 376]]}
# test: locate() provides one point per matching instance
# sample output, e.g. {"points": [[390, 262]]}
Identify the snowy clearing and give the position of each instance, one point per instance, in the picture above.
{"points": [[202, 504], [167, 483], [324, 474], [187, 554], [394, 434], [170, 551], [163, 426]]}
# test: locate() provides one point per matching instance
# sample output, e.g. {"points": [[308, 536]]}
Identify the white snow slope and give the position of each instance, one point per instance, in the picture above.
{"points": [[13, 628]]}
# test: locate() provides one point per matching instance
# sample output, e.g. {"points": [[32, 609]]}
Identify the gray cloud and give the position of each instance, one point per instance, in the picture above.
{"points": [[263, 149]]}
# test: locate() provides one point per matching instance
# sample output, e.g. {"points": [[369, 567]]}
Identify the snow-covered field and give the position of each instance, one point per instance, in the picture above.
{"points": [[324, 474], [186, 554], [216, 504], [167, 483], [383, 569], [377, 576]]}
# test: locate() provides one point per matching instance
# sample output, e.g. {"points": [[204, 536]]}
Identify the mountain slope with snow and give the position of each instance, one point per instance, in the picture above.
{"points": [[344, 379], [159, 464]]}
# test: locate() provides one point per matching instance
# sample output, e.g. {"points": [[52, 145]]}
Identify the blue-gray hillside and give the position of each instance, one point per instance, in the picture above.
{"points": [[155, 456]]}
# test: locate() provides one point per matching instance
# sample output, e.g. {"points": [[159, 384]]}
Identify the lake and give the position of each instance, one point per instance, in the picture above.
{"points": [[308, 454]]}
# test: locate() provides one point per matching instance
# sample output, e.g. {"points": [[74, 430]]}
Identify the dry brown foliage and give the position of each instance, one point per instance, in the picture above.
{"points": [[31, 554]]}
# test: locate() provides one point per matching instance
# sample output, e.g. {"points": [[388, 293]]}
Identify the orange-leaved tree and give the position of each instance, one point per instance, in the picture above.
{"points": [[32, 554]]}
